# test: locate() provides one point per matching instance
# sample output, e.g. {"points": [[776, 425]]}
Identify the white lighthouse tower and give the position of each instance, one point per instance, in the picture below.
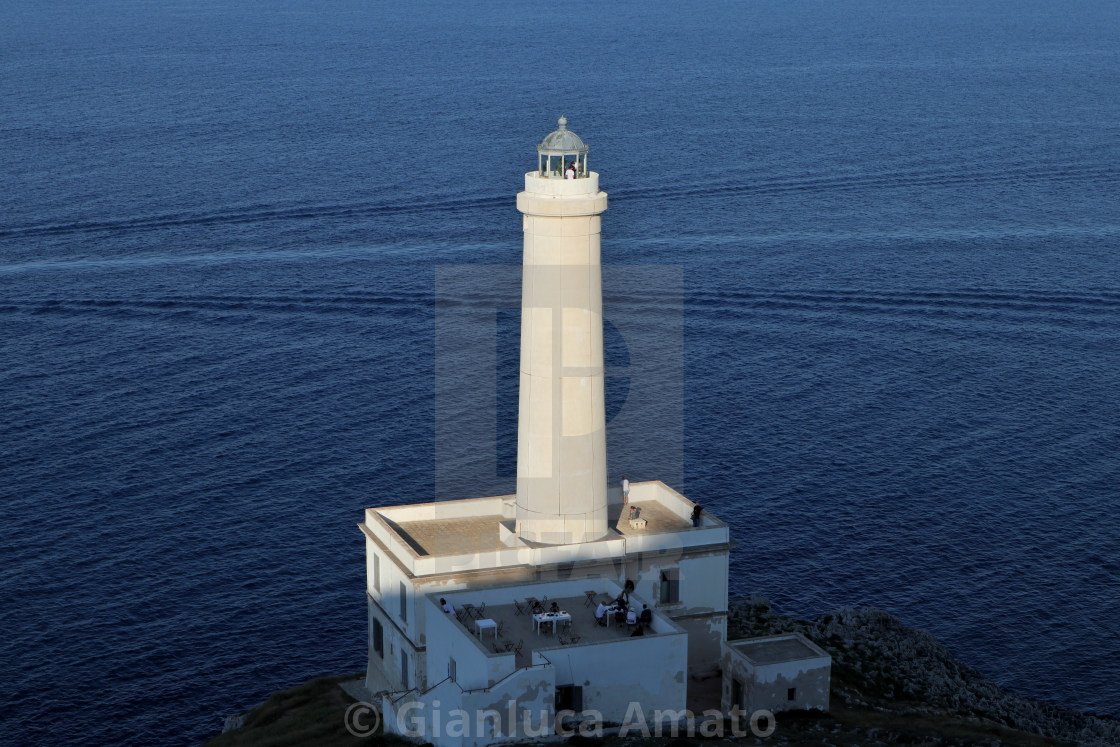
{"points": [[453, 585], [561, 430]]}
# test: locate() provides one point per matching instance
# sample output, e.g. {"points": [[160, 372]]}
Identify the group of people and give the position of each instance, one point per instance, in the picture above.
{"points": [[625, 612], [538, 608]]}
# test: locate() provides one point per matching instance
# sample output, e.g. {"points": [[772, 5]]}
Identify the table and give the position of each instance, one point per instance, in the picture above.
{"points": [[613, 614], [550, 617], [485, 624]]}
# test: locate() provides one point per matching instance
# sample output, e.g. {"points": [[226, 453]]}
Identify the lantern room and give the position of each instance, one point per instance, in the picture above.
{"points": [[559, 150]]}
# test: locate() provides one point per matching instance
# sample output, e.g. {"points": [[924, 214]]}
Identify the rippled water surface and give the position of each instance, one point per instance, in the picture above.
{"points": [[895, 234]]}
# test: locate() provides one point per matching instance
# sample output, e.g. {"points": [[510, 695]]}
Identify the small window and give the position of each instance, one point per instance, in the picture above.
{"points": [[737, 694], [670, 586], [376, 572], [404, 669], [404, 602], [452, 670], [791, 694], [378, 636]]}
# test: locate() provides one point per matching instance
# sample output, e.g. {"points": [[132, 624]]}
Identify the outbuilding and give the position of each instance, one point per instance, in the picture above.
{"points": [[784, 672]]}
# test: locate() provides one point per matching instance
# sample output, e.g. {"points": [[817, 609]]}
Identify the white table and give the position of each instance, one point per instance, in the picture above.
{"points": [[486, 624], [612, 613], [550, 617]]}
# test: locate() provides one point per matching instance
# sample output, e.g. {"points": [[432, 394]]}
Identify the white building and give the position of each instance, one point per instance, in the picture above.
{"points": [[564, 537], [776, 673]]}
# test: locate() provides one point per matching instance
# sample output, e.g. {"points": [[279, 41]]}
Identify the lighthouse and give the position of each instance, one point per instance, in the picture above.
{"points": [[457, 590], [561, 429]]}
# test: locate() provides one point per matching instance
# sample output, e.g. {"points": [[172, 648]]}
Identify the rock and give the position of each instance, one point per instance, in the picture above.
{"points": [[893, 659], [233, 723]]}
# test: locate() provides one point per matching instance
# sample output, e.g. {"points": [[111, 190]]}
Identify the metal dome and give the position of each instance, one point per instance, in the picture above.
{"points": [[562, 141]]}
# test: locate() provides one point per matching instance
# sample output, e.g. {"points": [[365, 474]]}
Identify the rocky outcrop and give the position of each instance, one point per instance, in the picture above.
{"points": [[881, 664]]}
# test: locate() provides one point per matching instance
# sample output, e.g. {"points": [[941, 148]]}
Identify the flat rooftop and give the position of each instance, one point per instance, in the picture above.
{"points": [[451, 536], [464, 527], [776, 649]]}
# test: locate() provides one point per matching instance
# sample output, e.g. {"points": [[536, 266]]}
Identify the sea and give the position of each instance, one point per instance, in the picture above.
{"points": [[876, 242]]}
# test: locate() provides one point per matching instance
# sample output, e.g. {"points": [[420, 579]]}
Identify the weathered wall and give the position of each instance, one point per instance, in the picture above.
{"points": [[771, 685], [650, 670], [532, 689], [766, 686], [518, 707], [705, 636], [702, 605]]}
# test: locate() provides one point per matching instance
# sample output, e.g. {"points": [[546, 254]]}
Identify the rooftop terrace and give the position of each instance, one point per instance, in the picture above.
{"points": [[471, 528], [519, 630]]}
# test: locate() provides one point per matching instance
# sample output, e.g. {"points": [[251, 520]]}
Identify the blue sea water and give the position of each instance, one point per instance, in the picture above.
{"points": [[221, 225]]}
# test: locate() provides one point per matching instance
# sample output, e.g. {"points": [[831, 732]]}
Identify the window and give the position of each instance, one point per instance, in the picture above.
{"points": [[737, 694], [404, 602], [791, 694], [452, 670], [378, 636], [670, 586], [569, 698], [404, 669], [376, 572]]}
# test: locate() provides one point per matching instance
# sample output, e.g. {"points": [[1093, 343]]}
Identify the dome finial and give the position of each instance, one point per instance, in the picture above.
{"points": [[563, 121]]}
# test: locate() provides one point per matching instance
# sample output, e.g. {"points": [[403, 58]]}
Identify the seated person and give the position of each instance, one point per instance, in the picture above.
{"points": [[538, 609], [554, 608], [446, 606], [637, 631], [646, 617], [601, 613]]}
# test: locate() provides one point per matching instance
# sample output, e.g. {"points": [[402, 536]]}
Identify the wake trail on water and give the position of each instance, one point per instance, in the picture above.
{"points": [[1092, 308], [992, 175]]}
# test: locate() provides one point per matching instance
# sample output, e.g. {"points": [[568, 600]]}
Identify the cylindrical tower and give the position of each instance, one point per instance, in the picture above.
{"points": [[561, 428]]}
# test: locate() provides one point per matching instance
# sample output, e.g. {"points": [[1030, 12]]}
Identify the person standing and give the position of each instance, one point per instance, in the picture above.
{"points": [[696, 511], [571, 172], [625, 489]]}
